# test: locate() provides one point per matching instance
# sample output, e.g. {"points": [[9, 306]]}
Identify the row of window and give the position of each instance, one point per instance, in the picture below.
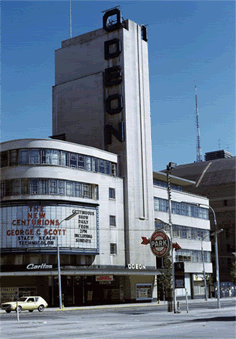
{"points": [[164, 184], [192, 256], [30, 156], [48, 186], [186, 232], [182, 255], [181, 208]]}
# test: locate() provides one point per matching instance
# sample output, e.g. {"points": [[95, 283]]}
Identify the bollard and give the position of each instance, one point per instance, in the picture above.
{"points": [[17, 312], [178, 307]]}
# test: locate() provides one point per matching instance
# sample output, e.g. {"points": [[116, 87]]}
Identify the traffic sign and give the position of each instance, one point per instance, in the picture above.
{"points": [[160, 243]]}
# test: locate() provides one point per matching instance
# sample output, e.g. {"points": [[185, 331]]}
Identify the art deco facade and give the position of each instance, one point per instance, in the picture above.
{"points": [[99, 163]]}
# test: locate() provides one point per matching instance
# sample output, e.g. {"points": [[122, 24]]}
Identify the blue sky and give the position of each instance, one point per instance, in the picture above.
{"points": [[190, 43]]}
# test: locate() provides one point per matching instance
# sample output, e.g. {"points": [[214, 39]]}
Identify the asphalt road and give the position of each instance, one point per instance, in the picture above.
{"points": [[145, 321]]}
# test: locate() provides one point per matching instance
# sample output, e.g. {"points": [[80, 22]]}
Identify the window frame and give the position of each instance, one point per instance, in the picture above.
{"points": [[112, 220], [113, 249]]}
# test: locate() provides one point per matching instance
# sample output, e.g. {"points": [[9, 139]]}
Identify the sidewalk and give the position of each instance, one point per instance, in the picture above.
{"points": [[153, 304]]}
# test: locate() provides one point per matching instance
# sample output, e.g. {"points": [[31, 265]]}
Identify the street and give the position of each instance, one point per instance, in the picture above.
{"points": [[203, 320]]}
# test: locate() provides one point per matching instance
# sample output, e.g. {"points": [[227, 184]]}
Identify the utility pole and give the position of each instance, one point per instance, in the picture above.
{"points": [[169, 167]]}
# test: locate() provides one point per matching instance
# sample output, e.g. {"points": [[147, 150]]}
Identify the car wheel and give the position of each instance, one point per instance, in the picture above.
{"points": [[41, 308], [8, 311], [30, 310], [19, 309]]}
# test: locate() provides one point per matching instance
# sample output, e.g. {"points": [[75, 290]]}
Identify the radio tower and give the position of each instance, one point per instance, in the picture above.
{"points": [[199, 150]]}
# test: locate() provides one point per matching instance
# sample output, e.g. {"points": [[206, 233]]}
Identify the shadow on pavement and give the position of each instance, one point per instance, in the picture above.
{"points": [[233, 318]]}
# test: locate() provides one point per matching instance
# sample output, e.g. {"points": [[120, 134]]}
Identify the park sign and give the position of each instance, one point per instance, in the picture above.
{"points": [[160, 243]]}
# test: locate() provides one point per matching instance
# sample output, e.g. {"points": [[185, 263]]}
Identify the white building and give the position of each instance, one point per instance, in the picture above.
{"points": [[98, 162]]}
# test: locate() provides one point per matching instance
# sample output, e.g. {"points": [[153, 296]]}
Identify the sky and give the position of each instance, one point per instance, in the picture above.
{"points": [[190, 43]]}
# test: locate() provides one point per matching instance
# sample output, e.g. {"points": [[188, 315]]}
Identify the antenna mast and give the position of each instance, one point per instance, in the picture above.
{"points": [[70, 22], [199, 150]]}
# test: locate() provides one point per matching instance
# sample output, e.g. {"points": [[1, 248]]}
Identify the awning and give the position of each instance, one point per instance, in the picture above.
{"points": [[81, 272]]}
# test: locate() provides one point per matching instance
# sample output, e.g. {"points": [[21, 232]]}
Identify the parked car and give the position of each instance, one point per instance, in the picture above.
{"points": [[25, 304]]}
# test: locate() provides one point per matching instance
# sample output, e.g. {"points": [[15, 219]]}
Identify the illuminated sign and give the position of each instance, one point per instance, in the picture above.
{"points": [[113, 76], [40, 227], [38, 267], [160, 243], [104, 278]]}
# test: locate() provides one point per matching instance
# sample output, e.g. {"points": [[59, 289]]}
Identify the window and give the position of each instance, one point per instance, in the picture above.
{"points": [[101, 166], [4, 159], [69, 188], [8, 187], [88, 163], [55, 157], [16, 190], [49, 186], [80, 161], [73, 160], [46, 156], [112, 193], [34, 156], [87, 191], [78, 189], [113, 249], [61, 187], [44, 186], [13, 157], [108, 167], [181, 208], [113, 169], [184, 232], [23, 156], [24, 186], [64, 159], [94, 165], [34, 189], [112, 220], [53, 186]]}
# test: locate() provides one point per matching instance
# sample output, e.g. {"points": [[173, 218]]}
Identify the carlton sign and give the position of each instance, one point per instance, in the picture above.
{"points": [[160, 243]]}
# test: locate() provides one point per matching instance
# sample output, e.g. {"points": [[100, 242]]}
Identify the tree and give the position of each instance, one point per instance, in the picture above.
{"points": [[164, 279]]}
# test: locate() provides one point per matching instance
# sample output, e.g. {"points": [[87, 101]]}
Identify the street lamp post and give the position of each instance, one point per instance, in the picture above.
{"points": [[74, 213], [217, 266], [169, 167], [203, 263], [215, 233]]}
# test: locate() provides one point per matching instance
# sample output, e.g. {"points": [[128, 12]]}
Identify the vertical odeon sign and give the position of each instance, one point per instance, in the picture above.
{"points": [[113, 76], [112, 21]]}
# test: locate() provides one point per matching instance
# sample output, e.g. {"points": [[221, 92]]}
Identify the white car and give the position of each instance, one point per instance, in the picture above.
{"points": [[25, 303]]}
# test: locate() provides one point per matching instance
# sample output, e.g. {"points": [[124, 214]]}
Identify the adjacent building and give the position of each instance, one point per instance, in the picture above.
{"points": [[215, 179]]}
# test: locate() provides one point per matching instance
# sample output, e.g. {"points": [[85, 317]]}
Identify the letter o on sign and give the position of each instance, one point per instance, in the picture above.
{"points": [[160, 243]]}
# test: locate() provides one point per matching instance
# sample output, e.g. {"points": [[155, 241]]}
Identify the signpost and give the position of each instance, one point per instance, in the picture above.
{"points": [[179, 274]]}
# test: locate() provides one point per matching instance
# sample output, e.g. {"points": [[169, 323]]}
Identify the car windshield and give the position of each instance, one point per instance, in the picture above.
{"points": [[22, 299]]}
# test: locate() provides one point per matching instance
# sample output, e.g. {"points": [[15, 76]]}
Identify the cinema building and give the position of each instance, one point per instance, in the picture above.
{"points": [[98, 163]]}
